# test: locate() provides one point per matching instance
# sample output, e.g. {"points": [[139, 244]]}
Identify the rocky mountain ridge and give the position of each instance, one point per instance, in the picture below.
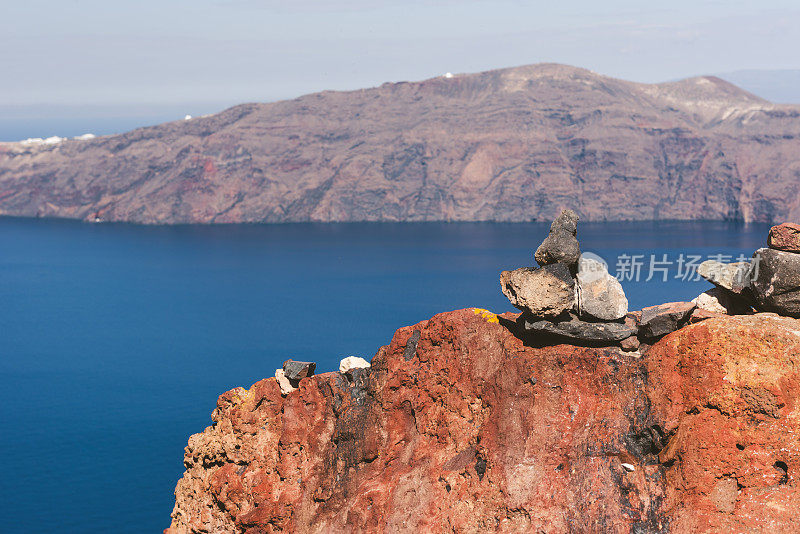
{"points": [[515, 144]]}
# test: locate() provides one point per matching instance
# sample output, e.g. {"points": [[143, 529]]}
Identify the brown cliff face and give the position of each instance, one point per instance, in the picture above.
{"points": [[508, 145], [472, 431]]}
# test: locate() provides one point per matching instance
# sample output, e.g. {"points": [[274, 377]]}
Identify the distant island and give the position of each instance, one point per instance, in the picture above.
{"points": [[515, 144]]}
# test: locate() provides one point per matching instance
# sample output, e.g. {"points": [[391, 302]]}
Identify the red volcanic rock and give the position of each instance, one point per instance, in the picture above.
{"points": [[730, 411], [785, 237], [460, 427]]}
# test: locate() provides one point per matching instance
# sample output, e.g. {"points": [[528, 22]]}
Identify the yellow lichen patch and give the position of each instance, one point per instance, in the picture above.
{"points": [[242, 395], [486, 314]]}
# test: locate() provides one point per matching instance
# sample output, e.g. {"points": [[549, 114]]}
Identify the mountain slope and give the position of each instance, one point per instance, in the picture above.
{"points": [[508, 145]]}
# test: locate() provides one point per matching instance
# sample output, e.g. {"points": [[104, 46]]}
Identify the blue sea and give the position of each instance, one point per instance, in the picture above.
{"points": [[115, 339]]}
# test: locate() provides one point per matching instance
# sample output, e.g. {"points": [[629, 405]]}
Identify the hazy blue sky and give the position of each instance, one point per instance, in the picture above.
{"points": [[108, 52]]}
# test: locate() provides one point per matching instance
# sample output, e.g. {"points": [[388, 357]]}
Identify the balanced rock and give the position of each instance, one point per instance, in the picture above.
{"points": [[785, 237], [574, 328], [295, 370], [734, 277], [720, 301], [352, 362], [657, 321], [544, 292], [598, 294], [561, 244], [776, 286]]}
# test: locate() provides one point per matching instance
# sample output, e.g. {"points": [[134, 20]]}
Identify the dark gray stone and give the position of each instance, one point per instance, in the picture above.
{"points": [[776, 286], [544, 292], [580, 330], [734, 277], [294, 370], [411, 346], [657, 321], [561, 244]]}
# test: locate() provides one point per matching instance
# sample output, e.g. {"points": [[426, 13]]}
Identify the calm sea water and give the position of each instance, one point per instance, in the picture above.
{"points": [[115, 340]]}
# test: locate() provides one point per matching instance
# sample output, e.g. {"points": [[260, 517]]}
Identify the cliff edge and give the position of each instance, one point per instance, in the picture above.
{"points": [[459, 426]]}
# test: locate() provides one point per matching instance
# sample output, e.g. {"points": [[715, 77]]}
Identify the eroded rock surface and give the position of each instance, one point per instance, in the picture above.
{"points": [[478, 432], [731, 415]]}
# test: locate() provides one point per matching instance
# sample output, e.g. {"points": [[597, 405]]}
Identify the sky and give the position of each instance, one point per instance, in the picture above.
{"points": [[65, 56]]}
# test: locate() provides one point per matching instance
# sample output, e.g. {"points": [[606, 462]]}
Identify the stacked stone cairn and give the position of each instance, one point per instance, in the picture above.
{"points": [[569, 296], [769, 282], [572, 298]]}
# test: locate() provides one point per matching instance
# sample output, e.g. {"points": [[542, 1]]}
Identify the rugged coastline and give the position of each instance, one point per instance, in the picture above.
{"points": [[472, 421], [478, 431], [512, 145]]}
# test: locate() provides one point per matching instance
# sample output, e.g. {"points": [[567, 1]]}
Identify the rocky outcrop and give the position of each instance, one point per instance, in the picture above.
{"points": [[515, 144], [474, 430], [730, 413]]}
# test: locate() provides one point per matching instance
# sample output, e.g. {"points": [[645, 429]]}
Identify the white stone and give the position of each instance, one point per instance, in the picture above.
{"points": [[597, 293], [720, 301], [352, 362], [629, 467], [283, 382]]}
